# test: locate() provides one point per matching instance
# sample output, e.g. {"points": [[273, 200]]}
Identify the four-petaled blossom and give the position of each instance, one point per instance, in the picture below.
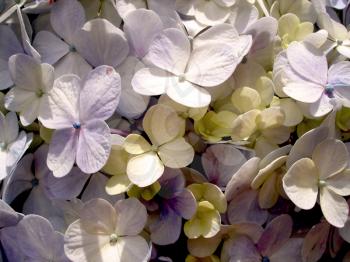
{"points": [[325, 173], [77, 109], [108, 233]]}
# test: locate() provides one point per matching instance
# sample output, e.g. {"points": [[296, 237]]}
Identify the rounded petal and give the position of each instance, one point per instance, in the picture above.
{"points": [[111, 51], [224, 59], [133, 248], [176, 154], [210, 13], [145, 169], [62, 151], [94, 146], [170, 51], [132, 217], [136, 144], [62, 108], [275, 235], [309, 62], [340, 184], [304, 92], [67, 16], [162, 124], [334, 207], [331, 157], [100, 94], [152, 81], [301, 183], [141, 35]]}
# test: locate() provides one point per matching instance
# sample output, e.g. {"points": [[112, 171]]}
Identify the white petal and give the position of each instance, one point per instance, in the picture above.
{"points": [[133, 248], [188, 94], [100, 94], [125, 7], [30, 113], [111, 51], [340, 184], [25, 71], [304, 92], [94, 146], [62, 151], [67, 16], [135, 144], [145, 169], [331, 157], [301, 183], [223, 61], [210, 13], [243, 15], [16, 150], [141, 35], [176, 154], [50, 47], [132, 217], [309, 62], [334, 207], [170, 51], [152, 81], [63, 103], [18, 99]]}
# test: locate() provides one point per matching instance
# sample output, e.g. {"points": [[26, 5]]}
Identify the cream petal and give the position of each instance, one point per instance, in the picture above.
{"points": [[176, 154]]}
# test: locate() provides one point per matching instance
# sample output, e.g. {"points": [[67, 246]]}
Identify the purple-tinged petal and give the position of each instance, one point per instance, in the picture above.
{"points": [[244, 207], [111, 51], [100, 94], [67, 16], [20, 180], [184, 204], [67, 187], [289, 252], [94, 146], [50, 47], [220, 162], [141, 35], [275, 235], [42, 242], [315, 242], [8, 216], [240, 248], [9, 241], [172, 183], [62, 151], [166, 228], [72, 63], [242, 179]]}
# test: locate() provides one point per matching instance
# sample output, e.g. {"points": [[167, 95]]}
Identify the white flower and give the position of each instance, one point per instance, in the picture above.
{"points": [[33, 81]]}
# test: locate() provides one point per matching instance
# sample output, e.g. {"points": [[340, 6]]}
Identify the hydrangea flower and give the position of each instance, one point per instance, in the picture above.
{"points": [[77, 109], [165, 131], [183, 71], [308, 80], [66, 17], [33, 81], [174, 202], [325, 172], [108, 233]]}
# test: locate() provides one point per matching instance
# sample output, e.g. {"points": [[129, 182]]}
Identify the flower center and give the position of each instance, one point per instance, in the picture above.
{"points": [[265, 259], [39, 93], [113, 239], [321, 183], [35, 182], [77, 125], [182, 77], [329, 90], [72, 48]]}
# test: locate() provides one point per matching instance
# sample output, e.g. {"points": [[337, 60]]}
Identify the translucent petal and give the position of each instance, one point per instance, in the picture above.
{"points": [[176, 154]]}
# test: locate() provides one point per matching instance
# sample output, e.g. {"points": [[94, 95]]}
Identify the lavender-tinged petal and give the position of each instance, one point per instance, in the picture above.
{"points": [[172, 183], [184, 204]]}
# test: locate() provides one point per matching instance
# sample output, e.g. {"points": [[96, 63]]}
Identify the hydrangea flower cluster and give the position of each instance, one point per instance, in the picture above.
{"points": [[174, 130]]}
